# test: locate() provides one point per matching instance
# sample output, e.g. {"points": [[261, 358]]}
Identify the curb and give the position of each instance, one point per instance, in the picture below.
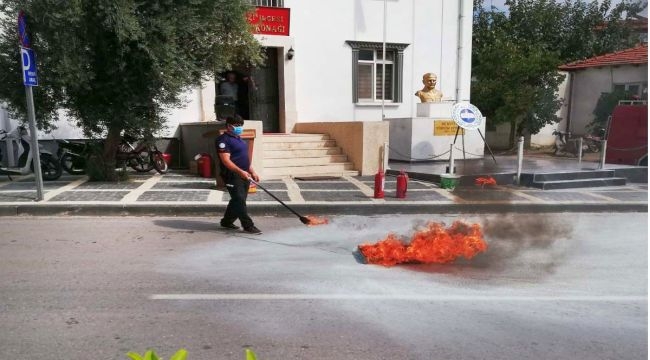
{"points": [[313, 209]]}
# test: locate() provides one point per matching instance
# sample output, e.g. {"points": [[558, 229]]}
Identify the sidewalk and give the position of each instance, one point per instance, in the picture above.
{"points": [[179, 193]]}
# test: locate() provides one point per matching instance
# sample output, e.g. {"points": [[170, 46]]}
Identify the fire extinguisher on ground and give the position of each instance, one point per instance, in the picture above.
{"points": [[379, 184], [204, 165], [402, 184]]}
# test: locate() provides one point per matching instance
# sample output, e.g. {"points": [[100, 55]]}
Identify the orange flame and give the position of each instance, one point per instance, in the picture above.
{"points": [[482, 181], [434, 244], [314, 220]]}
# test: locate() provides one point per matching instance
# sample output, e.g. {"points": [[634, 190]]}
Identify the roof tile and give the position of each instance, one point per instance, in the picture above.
{"points": [[633, 56]]}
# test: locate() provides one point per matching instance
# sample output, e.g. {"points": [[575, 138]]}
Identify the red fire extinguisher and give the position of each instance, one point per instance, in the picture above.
{"points": [[379, 184], [402, 184], [204, 165]]}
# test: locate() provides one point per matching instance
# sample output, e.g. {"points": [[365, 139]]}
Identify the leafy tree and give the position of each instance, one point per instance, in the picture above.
{"points": [[515, 54], [605, 106], [118, 65]]}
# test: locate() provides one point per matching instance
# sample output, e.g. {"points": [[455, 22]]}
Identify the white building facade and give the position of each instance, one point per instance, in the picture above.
{"points": [[334, 74], [317, 84]]}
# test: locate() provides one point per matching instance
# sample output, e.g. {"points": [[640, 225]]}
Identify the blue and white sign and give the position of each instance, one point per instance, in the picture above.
{"points": [[29, 67], [467, 116]]}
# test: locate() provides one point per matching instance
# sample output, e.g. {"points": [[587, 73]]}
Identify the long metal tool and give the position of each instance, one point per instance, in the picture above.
{"points": [[305, 220]]}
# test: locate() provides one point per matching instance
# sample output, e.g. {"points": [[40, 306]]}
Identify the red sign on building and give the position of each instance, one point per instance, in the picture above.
{"points": [[270, 20]]}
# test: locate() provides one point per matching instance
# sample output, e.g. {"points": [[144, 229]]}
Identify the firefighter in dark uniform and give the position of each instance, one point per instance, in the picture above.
{"points": [[236, 171]]}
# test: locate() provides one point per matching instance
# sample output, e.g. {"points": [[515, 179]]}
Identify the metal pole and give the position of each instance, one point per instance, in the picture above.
{"points": [[603, 152], [385, 158], [451, 159], [383, 65], [31, 115], [580, 152], [520, 158]]}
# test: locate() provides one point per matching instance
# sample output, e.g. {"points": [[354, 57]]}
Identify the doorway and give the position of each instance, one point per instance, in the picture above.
{"points": [[252, 93], [264, 99]]}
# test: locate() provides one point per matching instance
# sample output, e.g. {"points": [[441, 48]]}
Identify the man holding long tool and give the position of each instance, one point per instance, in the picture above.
{"points": [[236, 171]]}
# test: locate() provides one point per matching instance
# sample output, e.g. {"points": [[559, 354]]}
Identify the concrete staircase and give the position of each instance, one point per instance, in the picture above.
{"points": [[304, 155], [573, 179]]}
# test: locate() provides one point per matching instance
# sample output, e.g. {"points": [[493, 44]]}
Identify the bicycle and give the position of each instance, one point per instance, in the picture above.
{"points": [[143, 157]]}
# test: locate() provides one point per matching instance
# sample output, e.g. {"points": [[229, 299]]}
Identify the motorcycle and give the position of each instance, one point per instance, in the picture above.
{"points": [[72, 156], [592, 142], [561, 145], [141, 158], [50, 166]]}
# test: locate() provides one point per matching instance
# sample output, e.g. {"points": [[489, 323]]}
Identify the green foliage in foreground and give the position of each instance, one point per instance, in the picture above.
{"points": [[179, 355]]}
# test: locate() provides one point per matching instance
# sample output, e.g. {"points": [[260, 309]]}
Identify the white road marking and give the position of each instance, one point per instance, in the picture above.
{"points": [[405, 297]]}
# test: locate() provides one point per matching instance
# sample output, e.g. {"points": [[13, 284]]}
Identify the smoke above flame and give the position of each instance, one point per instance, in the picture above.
{"points": [[433, 244]]}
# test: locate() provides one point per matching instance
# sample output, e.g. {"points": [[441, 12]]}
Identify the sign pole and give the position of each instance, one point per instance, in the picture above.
{"points": [[28, 60], [31, 115]]}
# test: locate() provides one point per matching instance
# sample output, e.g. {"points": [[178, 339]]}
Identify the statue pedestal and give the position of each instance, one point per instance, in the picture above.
{"points": [[435, 109], [428, 138]]}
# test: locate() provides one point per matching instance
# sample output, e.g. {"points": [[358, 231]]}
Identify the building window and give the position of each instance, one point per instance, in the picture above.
{"points": [[269, 3], [370, 73], [639, 89], [367, 64]]}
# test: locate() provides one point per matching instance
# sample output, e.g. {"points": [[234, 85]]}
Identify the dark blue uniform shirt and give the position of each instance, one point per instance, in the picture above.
{"points": [[236, 147]]}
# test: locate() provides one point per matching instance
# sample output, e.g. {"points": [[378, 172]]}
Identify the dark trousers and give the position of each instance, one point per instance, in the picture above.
{"points": [[238, 190]]}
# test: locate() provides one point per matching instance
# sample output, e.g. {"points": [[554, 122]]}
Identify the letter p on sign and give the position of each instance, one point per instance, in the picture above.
{"points": [[29, 67]]}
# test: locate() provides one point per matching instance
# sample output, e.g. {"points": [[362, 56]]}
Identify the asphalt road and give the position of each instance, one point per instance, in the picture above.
{"points": [[552, 286]]}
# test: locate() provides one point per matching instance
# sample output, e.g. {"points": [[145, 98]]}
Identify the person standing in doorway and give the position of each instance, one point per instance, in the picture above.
{"points": [[230, 87], [236, 171]]}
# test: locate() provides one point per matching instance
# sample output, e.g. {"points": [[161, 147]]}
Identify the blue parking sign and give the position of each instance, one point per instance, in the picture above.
{"points": [[29, 67]]}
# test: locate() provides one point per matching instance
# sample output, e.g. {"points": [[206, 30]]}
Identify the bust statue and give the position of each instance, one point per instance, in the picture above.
{"points": [[428, 92]]}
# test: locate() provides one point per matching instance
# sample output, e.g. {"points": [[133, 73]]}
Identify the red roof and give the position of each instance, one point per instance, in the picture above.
{"points": [[634, 56]]}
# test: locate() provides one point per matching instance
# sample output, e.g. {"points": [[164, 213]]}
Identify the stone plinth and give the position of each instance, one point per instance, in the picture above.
{"points": [[429, 139], [435, 109]]}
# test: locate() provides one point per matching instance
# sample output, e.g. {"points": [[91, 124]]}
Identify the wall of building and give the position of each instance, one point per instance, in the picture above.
{"points": [[324, 61], [590, 83]]}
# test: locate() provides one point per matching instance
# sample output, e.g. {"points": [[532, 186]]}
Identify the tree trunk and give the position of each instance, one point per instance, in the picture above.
{"points": [[110, 149], [513, 134]]}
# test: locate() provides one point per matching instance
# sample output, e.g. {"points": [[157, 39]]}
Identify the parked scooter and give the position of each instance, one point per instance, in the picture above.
{"points": [[561, 142], [592, 142], [72, 156], [50, 167]]}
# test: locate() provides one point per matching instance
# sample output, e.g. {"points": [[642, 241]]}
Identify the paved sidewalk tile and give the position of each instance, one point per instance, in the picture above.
{"points": [[416, 196], [185, 185], [323, 185], [186, 195], [334, 196], [273, 185], [18, 196], [260, 195], [562, 196], [90, 196], [108, 186], [625, 195], [50, 185], [412, 185], [487, 195]]}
